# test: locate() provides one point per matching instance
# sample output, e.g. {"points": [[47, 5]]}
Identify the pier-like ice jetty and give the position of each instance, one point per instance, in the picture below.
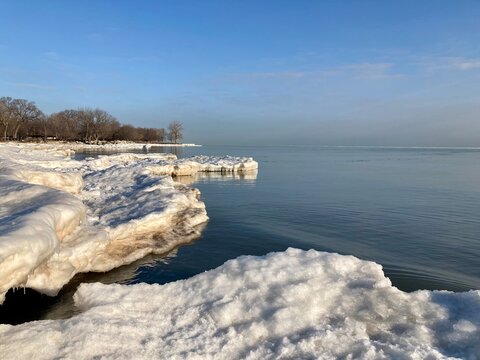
{"points": [[60, 216]]}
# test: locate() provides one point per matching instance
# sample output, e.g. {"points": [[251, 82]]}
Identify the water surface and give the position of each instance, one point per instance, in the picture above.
{"points": [[416, 211]]}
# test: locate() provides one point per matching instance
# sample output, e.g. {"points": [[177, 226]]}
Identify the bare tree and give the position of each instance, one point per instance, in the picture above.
{"points": [[160, 135], [23, 112], [5, 115], [128, 132], [22, 119], [175, 130], [104, 125], [66, 125]]}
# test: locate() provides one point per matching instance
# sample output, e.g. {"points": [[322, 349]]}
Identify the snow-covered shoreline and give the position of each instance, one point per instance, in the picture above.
{"points": [[61, 216], [117, 146], [293, 304], [109, 146]]}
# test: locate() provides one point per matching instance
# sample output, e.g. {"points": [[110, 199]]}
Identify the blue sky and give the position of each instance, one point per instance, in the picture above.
{"points": [[249, 72]]}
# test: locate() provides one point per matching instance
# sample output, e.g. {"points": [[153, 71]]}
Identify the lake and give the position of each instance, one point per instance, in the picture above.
{"points": [[416, 211]]}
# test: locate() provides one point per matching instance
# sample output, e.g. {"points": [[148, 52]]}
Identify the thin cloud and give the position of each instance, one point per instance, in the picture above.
{"points": [[32, 86], [130, 59], [51, 55], [365, 71], [371, 71], [466, 64], [273, 75], [103, 33], [142, 58], [441, 63]]}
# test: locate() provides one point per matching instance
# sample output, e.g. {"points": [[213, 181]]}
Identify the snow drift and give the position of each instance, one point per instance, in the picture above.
{"points": [[59, 216], [295, 304]]}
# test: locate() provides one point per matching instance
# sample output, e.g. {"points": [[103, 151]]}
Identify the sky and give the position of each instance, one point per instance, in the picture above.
{"points": [[401, 73]]}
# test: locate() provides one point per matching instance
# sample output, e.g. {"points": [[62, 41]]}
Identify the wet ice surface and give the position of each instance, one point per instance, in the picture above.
{"points": [[293, 304]]}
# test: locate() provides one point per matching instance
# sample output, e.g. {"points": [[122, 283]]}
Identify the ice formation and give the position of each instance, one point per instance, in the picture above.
{"points": [[107, 147], [290, 305], [59, 216]]}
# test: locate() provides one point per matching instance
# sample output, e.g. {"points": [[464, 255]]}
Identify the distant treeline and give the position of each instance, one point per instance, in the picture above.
{"points": [[22, 120]]}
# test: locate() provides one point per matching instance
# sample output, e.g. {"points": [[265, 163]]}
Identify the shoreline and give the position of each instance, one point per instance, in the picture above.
{"points": [[80, 146], [295, 303], [63, 216]]}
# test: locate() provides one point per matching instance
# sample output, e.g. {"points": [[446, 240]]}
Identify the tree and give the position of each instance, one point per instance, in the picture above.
{"points": [[96, 125], [66, 125], [23, 112], [5, 115], [17, 113], [21, 119], [104, 125], [38, 127], [127, 133], [175, 129]]}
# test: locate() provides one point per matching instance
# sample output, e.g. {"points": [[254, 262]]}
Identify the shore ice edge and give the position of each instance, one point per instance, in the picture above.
{"points": [[293, 304], [59, 216]]}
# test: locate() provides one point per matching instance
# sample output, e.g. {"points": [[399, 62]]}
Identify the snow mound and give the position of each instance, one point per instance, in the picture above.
{"points": [[59, 217], [295, 304]]}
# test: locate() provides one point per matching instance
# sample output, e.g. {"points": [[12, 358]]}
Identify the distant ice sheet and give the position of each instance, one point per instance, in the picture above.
{"points": [[291, 305], [59, 216]]}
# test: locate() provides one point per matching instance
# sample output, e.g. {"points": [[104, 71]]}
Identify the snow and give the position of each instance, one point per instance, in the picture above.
{"points": [[293, 304], [59, 216], [71, 147]]}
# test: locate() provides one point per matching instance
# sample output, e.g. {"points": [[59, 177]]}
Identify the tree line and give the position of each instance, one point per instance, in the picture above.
{"points": [[22, 120]]}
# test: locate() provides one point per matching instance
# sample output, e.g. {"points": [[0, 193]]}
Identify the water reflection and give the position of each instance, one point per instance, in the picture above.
{"points": [[246, 177], [86, 152], [65, 306], [175, 150], [25, 305]]}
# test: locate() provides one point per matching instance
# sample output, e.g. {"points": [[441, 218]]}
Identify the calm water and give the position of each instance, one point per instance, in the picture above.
{"points": [[415, 211]]}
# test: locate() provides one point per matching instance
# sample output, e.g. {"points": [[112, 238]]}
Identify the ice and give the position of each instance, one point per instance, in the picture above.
{"points": [[60, 217], [294, 304], [33, 221], [72, 147]]}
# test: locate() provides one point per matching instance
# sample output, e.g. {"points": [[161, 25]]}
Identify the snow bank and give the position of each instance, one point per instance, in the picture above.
{"points": [[33, 221], [59, 216], [295, 304]]}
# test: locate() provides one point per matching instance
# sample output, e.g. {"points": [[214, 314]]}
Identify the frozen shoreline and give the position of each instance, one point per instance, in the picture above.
{"points": [[293, 304], [118, 145], [61, 216]]}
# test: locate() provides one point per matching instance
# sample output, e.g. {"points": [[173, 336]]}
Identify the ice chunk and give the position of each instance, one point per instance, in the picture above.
{"points": [[33, 221], [295, 304]]}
